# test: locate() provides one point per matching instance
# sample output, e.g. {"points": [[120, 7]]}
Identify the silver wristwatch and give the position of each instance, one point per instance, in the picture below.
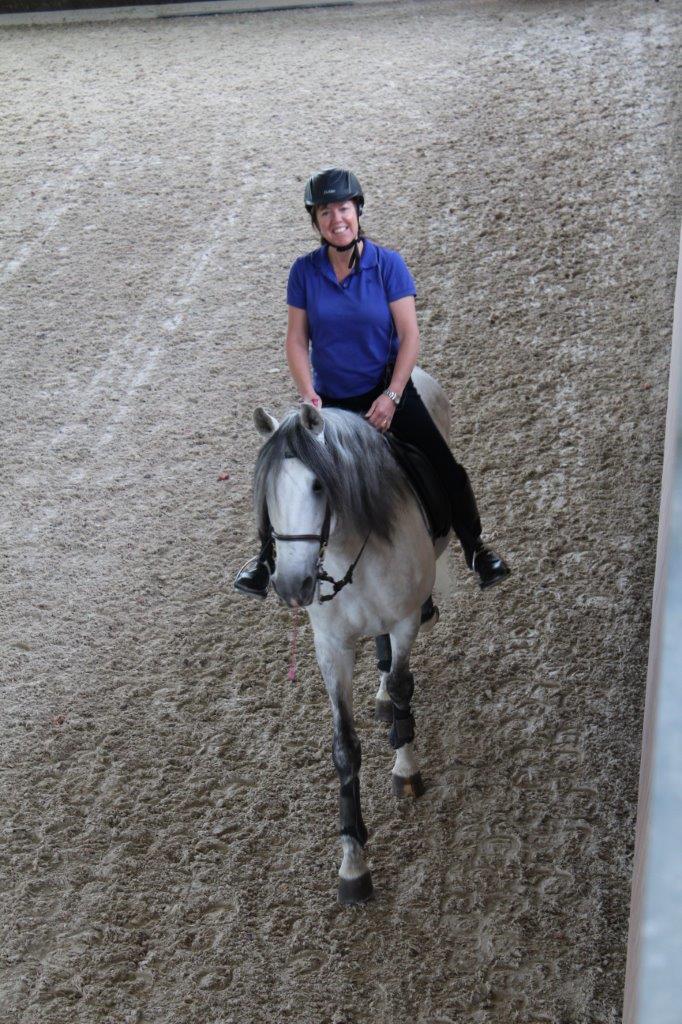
{"points": [[393, 395]]}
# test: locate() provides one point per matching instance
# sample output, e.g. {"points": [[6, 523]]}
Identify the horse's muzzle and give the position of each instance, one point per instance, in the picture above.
{"points": [[296, 593]]}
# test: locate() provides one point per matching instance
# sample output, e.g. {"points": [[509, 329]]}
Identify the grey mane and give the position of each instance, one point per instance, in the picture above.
{"points": [[361, 480]]}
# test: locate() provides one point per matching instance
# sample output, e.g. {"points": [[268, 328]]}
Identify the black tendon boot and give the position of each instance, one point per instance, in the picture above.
{"points": [[255, 581], [488, 566]]}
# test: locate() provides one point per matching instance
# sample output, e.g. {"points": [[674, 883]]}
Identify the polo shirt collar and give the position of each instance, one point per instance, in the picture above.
{"points": [[368, 259]]}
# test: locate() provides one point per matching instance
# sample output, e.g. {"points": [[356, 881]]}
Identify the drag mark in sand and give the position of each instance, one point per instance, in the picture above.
{"points": [[49, 218]]}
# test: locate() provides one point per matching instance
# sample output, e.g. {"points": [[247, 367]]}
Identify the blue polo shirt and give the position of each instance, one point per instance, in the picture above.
{"points": [[352, 335]]}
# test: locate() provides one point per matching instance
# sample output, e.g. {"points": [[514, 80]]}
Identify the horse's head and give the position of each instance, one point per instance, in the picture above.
{"points": [[294, 498]]}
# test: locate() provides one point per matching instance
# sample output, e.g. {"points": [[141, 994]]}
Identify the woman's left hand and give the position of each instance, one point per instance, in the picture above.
{"points": [[381, 413]]}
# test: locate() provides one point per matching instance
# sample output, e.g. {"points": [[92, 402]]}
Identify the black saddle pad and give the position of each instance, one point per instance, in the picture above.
{"points": [[426, 485]]}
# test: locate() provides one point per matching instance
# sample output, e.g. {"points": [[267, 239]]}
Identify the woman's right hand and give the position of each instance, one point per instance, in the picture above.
{"points": [[312, 398]]}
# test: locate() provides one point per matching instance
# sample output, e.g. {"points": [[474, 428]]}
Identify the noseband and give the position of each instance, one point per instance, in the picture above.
{"points": [[322, 539]]}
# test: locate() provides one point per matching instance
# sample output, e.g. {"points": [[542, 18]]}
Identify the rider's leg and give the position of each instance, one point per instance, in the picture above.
{"points": [[413, 423]]}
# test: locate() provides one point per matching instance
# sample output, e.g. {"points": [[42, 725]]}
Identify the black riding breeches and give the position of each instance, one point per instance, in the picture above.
{"points": [[412, 422]]}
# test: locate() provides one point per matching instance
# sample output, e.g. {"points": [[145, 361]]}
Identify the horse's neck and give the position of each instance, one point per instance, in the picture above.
{"points": [[344, 543]]}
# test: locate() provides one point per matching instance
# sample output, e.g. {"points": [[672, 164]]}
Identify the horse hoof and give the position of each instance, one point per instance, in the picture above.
{"points": [[411, 786], [355, 890], [383, 711]]}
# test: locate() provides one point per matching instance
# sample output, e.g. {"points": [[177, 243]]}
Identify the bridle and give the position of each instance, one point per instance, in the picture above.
{"points": [[322, 539]]}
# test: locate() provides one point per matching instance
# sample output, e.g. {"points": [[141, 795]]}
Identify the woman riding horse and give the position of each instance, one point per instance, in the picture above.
{"points": [[352, 342]]}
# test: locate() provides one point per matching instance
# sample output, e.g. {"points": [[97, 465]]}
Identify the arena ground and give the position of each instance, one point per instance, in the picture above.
{"points": [[169, 804]]}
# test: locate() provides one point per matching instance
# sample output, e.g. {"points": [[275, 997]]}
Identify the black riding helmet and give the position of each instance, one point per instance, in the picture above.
{"points": [[334, 185]]}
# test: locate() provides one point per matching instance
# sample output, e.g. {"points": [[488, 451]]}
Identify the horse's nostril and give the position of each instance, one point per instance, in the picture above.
{"points": [[307, 589]]}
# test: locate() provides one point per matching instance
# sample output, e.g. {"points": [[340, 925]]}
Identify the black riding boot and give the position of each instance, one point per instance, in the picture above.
{"points": [[256, 580], [487, 564]]}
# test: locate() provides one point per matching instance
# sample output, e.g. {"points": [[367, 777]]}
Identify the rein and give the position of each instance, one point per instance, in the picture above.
{"points": [[338, 584], [323, 538]]}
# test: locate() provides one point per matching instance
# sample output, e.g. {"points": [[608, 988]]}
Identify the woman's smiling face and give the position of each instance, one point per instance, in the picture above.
{"points": [[338, 222]]}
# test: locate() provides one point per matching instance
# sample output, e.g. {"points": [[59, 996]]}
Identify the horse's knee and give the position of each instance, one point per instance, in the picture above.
{"points": [[400, 686], [346, 752]]}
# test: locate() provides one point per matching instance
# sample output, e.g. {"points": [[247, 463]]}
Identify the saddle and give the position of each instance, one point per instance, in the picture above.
{"points": [[427, 487]]}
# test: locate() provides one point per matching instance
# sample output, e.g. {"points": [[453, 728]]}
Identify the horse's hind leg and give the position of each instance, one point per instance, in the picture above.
{"points": [[336, 663], [383, 711], [407, 779]]}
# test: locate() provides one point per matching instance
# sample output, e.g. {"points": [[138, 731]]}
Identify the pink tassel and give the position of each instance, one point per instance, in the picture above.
{"points": [[291, 675]]}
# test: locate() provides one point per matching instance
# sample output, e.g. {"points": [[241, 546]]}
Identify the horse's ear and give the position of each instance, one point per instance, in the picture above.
{"points": [[311, 418], [265, 423]]}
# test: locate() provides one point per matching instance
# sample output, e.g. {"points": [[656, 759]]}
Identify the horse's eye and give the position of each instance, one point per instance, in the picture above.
{"points": [[317, 487]]}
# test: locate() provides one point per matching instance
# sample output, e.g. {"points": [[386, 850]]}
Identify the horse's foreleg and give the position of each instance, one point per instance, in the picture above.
{"points": [[407, 780], [383, 711], [336, 663]]}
